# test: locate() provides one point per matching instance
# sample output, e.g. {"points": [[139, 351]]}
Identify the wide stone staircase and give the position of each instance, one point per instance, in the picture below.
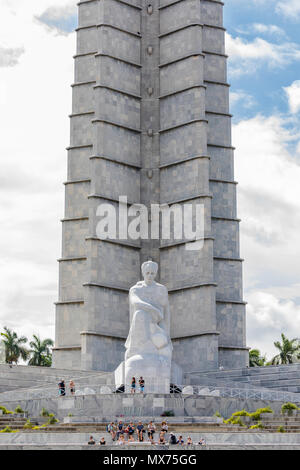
{"points": [[280, 432], [16, 423], [288, 424], [284, 378], [19, 378]]}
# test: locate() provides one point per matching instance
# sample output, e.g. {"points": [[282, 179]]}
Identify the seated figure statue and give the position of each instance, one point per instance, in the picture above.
{"points": [[149, 346]]}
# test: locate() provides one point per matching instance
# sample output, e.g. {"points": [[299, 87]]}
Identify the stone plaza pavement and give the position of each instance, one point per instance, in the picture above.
{"points": [[214, 441]]}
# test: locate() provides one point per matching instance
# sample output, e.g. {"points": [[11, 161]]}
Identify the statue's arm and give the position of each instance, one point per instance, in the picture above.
{"points": [[136, 302]]}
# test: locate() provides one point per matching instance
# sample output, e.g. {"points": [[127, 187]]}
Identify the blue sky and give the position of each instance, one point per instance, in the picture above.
{"points": [[266, 82], [36, 66]]}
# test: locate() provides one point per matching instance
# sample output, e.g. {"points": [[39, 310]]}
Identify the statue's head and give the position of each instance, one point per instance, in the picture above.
{"points": [[149, 271]]}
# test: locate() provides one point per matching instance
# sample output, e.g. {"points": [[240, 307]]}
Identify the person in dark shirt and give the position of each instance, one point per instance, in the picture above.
{"points": [[130, 429], [173, 440], [142, 385], [102, 441], [91, 442], [120, 429], [62, 388]]}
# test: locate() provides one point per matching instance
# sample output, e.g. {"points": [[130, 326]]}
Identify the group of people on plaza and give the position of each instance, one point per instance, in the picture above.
{"points": [[120, 430], [125, 434], [62, 388]]}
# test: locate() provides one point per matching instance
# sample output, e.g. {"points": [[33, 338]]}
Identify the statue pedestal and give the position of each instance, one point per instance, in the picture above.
{"points": [[156, 372]]}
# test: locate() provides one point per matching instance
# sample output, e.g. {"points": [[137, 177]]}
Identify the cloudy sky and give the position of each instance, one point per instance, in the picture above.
{"points": [[36, 69]]}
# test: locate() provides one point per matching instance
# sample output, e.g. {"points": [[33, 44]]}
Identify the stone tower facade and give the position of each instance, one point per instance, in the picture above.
{"points": [[151, 121]]}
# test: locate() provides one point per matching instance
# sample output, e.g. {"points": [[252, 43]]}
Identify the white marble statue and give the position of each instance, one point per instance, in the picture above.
{"points": [[148, 346]]}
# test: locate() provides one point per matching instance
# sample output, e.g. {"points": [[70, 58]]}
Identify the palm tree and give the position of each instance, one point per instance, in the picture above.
{"points": [[40, 352], [256, 359], [289, 351], [14, 349]]}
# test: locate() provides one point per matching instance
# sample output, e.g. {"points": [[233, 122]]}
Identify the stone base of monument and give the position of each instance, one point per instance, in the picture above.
{"points": [[156, 375]]}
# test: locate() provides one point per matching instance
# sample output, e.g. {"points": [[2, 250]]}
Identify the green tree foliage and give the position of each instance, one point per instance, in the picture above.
{"points": [[289, 351], [14, 346], [256, 359], [40, 352]]}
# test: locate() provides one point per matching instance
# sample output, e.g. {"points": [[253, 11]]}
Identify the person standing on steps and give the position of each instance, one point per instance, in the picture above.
{"points": [[133, 385], [62, 388], [72, 387], [142, 385]]}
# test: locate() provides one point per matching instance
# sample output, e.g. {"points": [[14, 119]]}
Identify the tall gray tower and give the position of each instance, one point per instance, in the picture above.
{"points": [[151, 121]]}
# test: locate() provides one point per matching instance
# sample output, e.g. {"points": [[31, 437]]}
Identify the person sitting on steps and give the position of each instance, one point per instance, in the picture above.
{"points": [[91, 441]]}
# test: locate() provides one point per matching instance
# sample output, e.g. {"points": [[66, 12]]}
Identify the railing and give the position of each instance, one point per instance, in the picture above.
{"points": [[83, 389], [248, 393]]}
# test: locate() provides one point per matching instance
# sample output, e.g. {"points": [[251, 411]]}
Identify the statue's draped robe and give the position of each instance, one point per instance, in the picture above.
{"points": [[149, 322]]}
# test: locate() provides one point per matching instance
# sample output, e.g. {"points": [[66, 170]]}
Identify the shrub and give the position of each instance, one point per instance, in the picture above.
{"points": [[70, 415], [241, 413], [5, 411], [234, 420], [281, 429], [52, 419], [217, 414], [258, 425], [36, 428], [256, 415], [288, 408], [19, 410], [44, 413], [7, 429], [168, 413], [28, 424]]}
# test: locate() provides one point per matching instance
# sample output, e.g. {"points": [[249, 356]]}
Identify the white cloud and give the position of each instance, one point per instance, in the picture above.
{"points": [[9, 57], [289, 8], [268, 199], [35, 98], [241, 98], [267, 29], [61, 19], [248, 56], [267, 318], [293, 94]]}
